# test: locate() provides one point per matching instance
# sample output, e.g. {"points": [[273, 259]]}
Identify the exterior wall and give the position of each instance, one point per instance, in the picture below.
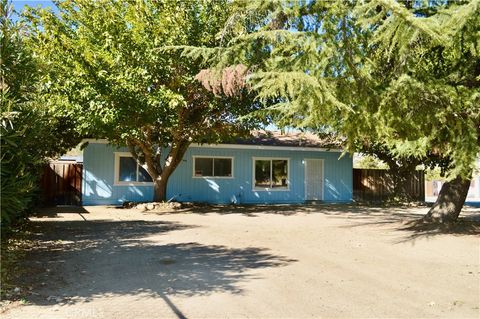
{"points": [[99, 189]]}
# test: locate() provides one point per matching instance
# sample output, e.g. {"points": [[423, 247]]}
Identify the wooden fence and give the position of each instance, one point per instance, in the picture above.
{"points": [[377, 185], [61, 183]]}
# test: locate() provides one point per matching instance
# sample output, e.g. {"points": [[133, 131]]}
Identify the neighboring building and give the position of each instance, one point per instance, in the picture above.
{"points": [[268, 168]]}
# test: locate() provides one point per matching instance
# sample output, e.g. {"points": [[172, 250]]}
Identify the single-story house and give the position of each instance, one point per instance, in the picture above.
{"points": [[268, 168]]}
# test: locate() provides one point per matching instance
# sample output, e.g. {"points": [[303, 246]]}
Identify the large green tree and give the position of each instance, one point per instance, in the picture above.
{"points": [[403, 75], [31, 131], [107, 66]]}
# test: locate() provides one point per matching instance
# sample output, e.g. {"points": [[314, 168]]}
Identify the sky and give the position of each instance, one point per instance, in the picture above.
{"points": [[19, 4]]}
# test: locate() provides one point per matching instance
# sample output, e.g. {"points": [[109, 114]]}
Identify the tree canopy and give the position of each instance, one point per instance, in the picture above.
{"points": [[403, 75], [106, 65], [30, 130]]}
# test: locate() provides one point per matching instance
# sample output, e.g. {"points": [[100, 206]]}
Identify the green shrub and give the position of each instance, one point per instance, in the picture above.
{"points": [[17, 183], [33, 128]]}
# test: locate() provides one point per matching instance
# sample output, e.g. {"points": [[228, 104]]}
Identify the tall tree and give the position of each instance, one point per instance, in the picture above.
{"points": [[430, 106], [30, 130], [106, 65], [403, 75]]}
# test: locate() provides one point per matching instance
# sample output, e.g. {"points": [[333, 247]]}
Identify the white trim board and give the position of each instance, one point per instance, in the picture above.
{"points": [[242, 146], [95, 141], [267, 147]]}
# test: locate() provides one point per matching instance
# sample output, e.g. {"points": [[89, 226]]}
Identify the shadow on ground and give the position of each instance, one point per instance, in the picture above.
{"points": [[77, 261], [256, 210], [402, 218], [420, 229], [82, 260], [56, 211], [410, 223]]}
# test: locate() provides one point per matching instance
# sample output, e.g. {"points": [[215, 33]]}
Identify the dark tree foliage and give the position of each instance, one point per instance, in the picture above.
{"points": [[107, 66], [404, 75], [30, 131]]}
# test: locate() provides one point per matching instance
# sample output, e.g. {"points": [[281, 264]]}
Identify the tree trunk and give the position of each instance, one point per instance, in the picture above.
{"points": [[161, 181], [160, 189], [449, 202], [145, 153]]}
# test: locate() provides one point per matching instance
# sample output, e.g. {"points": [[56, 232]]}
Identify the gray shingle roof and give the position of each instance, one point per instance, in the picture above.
{"points": [[291, 139]]}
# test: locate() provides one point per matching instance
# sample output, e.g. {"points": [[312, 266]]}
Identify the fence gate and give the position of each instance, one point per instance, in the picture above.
{"points": [[61, 183]]}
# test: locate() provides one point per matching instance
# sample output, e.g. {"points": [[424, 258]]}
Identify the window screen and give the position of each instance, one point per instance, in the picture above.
{"points": [[279, 173], [262, 173], [213, 167], [128, 169], [203, 166], [222, 167], [271, 173], [143, 175]]}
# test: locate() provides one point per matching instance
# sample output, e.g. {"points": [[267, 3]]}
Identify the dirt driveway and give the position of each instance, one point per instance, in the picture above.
{"points": [[300, 261]]}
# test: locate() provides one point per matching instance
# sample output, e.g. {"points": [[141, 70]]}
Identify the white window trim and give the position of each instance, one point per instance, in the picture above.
{"points": [[323, 176], [117, 181], [268, 189], [212, 177]]}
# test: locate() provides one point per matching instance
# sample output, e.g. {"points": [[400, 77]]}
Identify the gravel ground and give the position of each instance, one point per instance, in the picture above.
{"points": [[249, 262]]}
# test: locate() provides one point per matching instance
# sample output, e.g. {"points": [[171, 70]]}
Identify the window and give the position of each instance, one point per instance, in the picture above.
{"points": [[128, 171], [271, 173], [212, 167]]}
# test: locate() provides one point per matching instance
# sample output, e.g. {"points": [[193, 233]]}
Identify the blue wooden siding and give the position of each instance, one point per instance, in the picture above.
{"points": [[99, 188]]}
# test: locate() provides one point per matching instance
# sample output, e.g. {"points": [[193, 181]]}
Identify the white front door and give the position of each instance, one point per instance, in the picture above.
{"points": [[313, 179]]}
